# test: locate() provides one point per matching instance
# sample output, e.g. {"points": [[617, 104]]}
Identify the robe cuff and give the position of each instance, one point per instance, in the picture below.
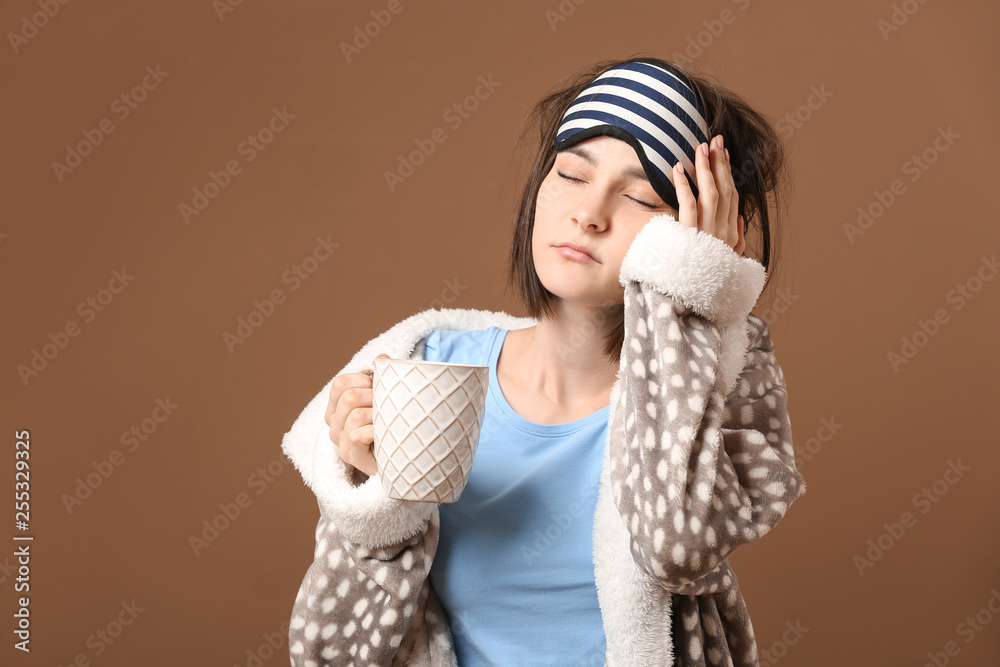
{"points": [[701, 271], [362, 514]]}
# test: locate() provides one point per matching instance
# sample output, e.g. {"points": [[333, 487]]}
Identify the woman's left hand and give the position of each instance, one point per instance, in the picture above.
{"points": [[716, 210]]}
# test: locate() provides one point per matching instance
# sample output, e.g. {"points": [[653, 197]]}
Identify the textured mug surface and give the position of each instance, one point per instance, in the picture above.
{"points": [[427, 420]]}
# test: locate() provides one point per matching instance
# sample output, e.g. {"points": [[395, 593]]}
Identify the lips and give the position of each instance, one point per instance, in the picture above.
{"points": [[579, 248]]}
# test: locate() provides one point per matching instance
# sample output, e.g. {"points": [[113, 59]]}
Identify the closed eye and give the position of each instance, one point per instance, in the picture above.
{"points": [[639, 201], [579, 180]]}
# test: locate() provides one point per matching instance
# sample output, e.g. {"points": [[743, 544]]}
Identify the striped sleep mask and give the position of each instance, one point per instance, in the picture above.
{"points": [[653, 109]]}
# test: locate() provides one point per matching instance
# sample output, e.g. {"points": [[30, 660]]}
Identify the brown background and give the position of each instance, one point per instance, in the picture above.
{"points": [[439, 240]]}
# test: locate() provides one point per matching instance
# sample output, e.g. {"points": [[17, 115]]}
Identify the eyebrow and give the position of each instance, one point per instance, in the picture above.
{"points": [[629, 172]]}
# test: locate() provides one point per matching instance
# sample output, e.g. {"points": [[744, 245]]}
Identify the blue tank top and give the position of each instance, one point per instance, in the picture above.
{"points": [[514, 566]]}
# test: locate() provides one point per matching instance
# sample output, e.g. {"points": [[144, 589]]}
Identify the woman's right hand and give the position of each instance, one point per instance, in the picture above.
{"points": [[349, 416]]}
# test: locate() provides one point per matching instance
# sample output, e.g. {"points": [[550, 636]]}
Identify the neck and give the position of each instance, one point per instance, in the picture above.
{"points": [[564, 354]]}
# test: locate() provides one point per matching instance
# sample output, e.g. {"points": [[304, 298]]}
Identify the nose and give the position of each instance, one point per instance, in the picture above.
{"points": [[592, 210]]}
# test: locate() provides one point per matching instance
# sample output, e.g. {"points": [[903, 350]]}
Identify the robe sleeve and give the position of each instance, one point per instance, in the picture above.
{"points": [[364, 598], [690, 484]]}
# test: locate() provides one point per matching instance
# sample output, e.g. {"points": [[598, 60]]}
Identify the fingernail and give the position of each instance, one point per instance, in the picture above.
{"points": [[679, 167], [720, 141], [704, 149], [727, 155]]}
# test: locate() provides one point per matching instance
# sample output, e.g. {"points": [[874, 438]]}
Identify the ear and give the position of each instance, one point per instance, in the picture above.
{"points": [[741, 244]]}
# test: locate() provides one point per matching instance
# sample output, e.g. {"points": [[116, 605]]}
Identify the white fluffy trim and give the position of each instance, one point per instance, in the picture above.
{"points": [[735, 341], [634, 606], [698, 269], [365, 514]]}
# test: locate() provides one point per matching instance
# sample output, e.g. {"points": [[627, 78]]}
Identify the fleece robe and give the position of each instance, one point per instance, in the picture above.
{"points": [[698, 461]]}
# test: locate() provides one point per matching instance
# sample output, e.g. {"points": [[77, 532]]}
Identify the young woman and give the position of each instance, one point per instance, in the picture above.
{"points": [[636, 429]]}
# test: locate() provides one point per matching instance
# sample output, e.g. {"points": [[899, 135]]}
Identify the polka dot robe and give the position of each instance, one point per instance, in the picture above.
{"points": [[699, 462], [695, 477]]}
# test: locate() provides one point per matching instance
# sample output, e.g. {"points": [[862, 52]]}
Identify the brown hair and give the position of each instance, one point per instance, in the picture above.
{"points": [[756, 154]]}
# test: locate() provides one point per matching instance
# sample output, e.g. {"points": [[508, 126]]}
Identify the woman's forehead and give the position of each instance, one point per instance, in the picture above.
{"points": [[593, 155]]}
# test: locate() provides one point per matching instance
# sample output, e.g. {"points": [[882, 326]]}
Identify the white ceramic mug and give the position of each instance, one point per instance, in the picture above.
{"points": [[427, 417]]}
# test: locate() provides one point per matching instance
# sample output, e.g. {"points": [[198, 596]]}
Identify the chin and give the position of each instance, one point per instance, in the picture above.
{"points": [[570, 292]]}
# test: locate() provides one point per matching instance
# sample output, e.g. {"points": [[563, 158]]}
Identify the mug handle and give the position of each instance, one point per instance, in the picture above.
{"points": [[369, 369]]}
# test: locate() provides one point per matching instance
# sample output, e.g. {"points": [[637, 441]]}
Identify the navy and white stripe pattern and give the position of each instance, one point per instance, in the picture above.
{"points": [[650, 108]]}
